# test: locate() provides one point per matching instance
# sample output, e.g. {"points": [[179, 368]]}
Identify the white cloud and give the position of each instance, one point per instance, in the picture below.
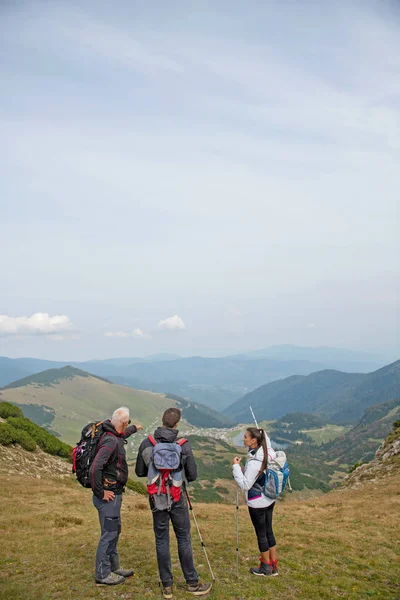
{"points": [[37, 324], [174, 323], [137, 333], [311, 325]]}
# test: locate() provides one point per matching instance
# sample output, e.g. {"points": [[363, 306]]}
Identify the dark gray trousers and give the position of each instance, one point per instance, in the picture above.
{"points": [[107, 558], [179, 515]]}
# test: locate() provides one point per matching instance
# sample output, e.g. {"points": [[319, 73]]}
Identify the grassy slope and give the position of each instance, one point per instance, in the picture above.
{"points": [[79, 400], [324, 546], [326, 434], [361, 443]]}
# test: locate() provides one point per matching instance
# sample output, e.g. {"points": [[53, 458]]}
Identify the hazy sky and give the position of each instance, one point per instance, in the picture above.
{"points": [[199, 178]]}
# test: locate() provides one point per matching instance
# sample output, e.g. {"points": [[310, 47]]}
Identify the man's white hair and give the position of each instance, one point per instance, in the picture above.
{"points": [[121, 415]]}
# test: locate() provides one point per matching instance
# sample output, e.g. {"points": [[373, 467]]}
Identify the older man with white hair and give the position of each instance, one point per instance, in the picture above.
{"points": [[109, 474]]}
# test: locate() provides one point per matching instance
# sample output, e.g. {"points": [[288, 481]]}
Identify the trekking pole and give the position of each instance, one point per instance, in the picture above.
{"points": [[237, 532], [254, 417], [198, 531]]}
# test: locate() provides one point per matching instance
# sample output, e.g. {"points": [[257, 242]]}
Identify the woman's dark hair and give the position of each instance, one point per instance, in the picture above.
{"points": [[259, 435]]}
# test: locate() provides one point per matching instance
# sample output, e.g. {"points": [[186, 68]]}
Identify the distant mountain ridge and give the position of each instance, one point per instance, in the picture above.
{"points": [[336, 396], [215, 382], [325, 354], [51, 376]]}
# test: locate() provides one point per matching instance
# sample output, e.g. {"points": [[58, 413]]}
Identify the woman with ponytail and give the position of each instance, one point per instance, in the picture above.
{"points": [[260, 506]]}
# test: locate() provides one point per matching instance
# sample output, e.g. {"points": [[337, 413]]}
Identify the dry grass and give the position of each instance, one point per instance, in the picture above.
{"points": [[341, 545]]}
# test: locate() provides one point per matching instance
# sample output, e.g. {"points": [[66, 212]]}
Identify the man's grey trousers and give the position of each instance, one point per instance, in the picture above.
{"points": [[107, 558]]}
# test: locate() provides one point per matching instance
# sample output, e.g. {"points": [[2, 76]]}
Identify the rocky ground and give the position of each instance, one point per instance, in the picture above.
{"points": [[385, 464], [14, 460]]}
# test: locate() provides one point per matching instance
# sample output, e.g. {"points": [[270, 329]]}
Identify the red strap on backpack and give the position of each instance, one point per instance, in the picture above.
{"points": [[179, 442]]}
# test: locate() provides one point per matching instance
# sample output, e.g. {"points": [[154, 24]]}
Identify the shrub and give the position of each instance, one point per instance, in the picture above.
{"points": [[48, 443], [26, 441], [356, 465], [11, 435], [396, 424], [45, 440], [10, 410], [136, 486], [24, 423], [65, 450], [7, 434]]}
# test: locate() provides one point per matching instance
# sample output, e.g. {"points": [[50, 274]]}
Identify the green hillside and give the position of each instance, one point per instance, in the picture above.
{"points": [[335, 396], [360, 443], [66, 399], [77, 397], [16, 428]]}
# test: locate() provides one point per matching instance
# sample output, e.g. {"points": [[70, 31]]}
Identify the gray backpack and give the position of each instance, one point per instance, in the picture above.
{"points": [[164, 478]]}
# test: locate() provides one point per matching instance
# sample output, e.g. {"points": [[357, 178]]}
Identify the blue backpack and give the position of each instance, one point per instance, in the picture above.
{"points": [[276, 476], [273, 480]]}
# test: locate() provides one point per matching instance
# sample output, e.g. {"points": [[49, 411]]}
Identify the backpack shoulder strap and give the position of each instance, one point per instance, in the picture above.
{"points": [[152, 440], [103, 437], [181, 441]]}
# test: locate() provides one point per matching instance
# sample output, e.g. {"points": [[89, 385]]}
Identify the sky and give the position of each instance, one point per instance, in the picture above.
{"points": [[198, 178]]}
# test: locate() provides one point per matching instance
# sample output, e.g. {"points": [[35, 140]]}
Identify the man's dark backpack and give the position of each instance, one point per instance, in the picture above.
{"points": [[84, 452]]}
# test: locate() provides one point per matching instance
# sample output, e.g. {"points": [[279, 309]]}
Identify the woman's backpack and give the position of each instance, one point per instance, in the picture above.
{"points": [[273, 480], [84, 452], [276, 476]]}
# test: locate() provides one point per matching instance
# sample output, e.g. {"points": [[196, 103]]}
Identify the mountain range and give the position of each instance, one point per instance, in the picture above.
{"points": [[336, 396], [215, 382]]}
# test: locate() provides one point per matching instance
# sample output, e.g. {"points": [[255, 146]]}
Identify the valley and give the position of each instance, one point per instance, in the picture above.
{"points": [[320, 451]]}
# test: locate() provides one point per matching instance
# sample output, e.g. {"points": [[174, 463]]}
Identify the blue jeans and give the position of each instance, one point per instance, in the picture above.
{"points": [[179, 515], [107, 558]]}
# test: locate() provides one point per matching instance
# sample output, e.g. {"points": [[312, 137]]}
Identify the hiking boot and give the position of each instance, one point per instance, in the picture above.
{"points": [[111, 579], [167, 591], [199, 589], [263, 570], [124, 572], [274, 567]]}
